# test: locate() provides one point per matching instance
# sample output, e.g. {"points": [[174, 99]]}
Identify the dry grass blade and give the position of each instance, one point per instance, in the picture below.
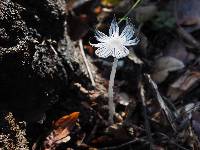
{"points": [[130, 10], [170, 115], [86, 63]]}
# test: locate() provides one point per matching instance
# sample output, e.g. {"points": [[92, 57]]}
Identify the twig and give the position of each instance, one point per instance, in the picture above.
{"points": [[170, 115], [172, 142], [189, 38], [143, 139], [93, 132], [147, 126], [86, 63], [124, 144], [185, 35], [171, 106], [130, 110], [130, 10]]}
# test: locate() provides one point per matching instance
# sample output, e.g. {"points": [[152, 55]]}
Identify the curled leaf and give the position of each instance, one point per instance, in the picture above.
{"points": [[61, 131], [66, 120]]}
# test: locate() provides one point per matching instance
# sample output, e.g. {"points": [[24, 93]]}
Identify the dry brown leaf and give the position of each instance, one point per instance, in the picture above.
{"points": [[66, 120], [61, 131], [183, 84], [117, 134]]}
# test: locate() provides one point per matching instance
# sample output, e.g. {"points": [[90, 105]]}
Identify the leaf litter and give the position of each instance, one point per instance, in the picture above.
{"points": [[165, 115]]}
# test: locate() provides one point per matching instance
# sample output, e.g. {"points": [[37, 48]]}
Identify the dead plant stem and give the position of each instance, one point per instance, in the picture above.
{"points": [[146, 122]]}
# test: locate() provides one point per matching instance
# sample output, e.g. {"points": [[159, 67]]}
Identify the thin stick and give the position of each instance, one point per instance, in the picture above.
{"points": [[130, 10], [170, 115], [189, 38], [142, 139], [110, 92], [86, 63], [146, 123], [93, 132], [124, 144], [172, 141]]}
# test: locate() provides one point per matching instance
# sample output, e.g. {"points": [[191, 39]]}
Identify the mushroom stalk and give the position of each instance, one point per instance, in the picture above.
{"points": [[114, 45], [111, 104]]}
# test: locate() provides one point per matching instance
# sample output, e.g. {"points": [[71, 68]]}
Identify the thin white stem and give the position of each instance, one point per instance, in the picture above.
{"points": [[110, 92]]}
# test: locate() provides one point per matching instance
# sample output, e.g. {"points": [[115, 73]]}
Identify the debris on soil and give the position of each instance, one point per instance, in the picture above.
{"points": [[54, 89]]}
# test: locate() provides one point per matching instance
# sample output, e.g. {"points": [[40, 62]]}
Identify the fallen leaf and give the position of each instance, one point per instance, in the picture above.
{"points": [[61, 131], [116, 134], [59, 134], [119, 133], [163, 66], [66, 120], [56, 137], [183, 84]]}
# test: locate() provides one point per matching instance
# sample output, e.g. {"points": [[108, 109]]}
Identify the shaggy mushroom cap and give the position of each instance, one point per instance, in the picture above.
{"points": [[115, 44]]}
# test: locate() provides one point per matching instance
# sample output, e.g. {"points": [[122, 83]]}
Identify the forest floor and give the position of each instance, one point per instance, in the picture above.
{"points": [[156, 90]]}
